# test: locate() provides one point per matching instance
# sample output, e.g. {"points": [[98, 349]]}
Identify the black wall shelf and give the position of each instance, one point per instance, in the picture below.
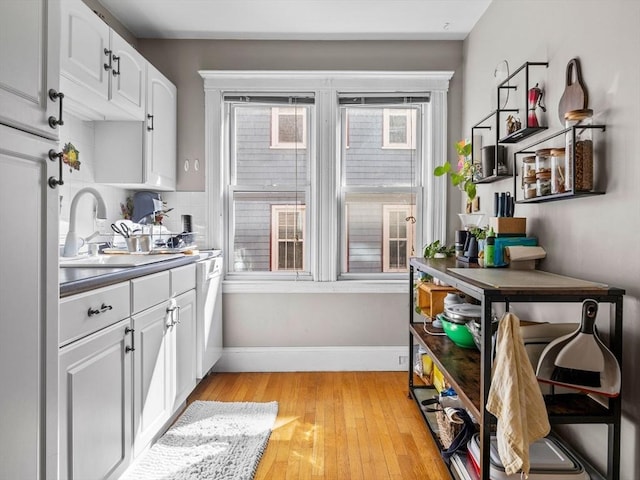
{"points": [[528, 150]]}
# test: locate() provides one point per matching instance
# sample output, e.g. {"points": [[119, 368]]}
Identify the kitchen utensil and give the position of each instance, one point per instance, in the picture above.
{"points": [[582, 358], [463, 312], [121, 230], [457, 332], [575, 95], [535, 100]]}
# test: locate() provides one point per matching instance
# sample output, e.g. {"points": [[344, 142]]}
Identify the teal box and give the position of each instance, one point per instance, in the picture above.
{"points": [[502, 242]]}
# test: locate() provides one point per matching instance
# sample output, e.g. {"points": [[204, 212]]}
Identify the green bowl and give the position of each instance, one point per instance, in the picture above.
{"points": [[458, 333]]}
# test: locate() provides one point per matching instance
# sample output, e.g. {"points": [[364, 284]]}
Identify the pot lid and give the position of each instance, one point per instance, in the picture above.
{"points": [[463, 312]]}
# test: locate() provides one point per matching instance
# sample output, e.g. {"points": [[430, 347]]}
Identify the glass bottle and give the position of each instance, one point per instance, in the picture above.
{"points": [[528, 170], [543, 172], [558, 179], [579, 151]]}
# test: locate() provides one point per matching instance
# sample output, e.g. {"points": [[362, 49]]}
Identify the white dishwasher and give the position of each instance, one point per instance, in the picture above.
{"points": [[208, 312]]}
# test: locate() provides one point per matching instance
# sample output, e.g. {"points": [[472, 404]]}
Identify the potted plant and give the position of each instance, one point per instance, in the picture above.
{"points": [[463, 177], [437, 250]]}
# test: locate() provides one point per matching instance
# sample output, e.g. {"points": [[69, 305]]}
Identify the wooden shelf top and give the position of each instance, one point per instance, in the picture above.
{"points": [[461, 367]]}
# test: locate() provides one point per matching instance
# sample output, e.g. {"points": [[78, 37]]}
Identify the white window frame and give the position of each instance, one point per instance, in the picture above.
{"points": [[410, 115], [323, 219], [408, 211], [276, 112], [275, 239]]}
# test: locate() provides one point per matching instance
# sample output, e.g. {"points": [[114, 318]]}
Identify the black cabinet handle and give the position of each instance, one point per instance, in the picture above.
{"points": [[107, 66], [96, 311], [150, 117], [53, 121], [53, 181], [131, 348], [114, 71]]}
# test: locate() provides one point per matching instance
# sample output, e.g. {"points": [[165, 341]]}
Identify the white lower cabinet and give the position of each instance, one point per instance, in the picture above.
{"points": [[95, 396], [184, 341], [151, 376], [127, 364]]}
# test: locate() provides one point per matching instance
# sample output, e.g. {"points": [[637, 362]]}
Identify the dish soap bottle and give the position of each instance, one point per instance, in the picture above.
{"points": [[489, 248]]}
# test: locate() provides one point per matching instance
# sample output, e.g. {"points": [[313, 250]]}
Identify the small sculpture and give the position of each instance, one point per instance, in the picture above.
{"points": [[513, 124]]}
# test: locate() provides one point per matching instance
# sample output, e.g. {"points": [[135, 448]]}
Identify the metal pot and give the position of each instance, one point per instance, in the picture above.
{"points": [[463, 312]]}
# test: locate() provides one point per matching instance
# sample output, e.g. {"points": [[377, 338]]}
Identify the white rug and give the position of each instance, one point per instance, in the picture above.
{"points": [[210, 440]]}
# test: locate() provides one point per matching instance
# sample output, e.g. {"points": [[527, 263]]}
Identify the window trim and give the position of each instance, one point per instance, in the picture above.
{"points": [[323, 210]]}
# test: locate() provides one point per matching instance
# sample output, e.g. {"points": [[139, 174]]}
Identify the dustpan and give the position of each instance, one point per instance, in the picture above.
{"points": [[577, 350]]}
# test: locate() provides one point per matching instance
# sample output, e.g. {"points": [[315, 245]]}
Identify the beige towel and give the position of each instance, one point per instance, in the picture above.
{"points": [[515, 399]]}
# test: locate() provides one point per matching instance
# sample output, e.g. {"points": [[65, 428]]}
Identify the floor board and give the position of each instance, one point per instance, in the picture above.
{"points": [[335, 425]]}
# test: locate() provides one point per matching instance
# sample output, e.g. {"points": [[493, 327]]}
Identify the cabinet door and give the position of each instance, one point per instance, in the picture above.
{"points": [[128, 77], [161, 148], [95, 405], [29, 50], [151, 376], [29, 308], [85, 54], [184, 361]]}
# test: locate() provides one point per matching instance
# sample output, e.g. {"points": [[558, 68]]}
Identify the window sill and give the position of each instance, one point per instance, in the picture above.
{"points": [[291, 286]]}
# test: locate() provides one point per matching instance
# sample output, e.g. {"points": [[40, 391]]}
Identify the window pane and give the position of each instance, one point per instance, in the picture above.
{"points": [[398, 129], [255, 161], [366, 162], [369, 234], [255, 245], [290, 128]]}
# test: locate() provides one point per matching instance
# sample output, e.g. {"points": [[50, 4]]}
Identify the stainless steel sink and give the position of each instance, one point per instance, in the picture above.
{"points": [[114, 261]]}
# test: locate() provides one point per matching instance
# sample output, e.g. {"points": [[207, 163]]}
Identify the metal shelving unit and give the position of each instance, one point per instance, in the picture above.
{"points": [[469, 372]]}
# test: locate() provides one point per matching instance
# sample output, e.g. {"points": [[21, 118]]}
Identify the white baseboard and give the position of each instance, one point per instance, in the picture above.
{"points": [[313, 359]]}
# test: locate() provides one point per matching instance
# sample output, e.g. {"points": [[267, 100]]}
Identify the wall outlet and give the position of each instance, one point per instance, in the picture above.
{"points": [[403, 360]]}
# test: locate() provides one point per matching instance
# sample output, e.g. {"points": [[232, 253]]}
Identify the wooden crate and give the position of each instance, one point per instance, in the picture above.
{"points": [[430, 298]]}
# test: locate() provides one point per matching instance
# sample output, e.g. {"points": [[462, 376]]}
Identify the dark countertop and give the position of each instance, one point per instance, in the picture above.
{"points": [[78, 280]]}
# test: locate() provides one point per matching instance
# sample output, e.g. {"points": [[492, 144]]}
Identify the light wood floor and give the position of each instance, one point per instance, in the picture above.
{"points": [[335, 425]]}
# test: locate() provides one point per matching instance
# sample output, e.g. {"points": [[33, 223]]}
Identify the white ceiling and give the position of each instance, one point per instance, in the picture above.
{"points": [[299, 19]]}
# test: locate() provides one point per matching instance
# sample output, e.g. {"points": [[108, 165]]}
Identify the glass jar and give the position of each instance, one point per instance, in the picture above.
{"points": [[531, 189], [543, 184], [579, 151], [528, 170], [558, 179], [542, 161]]}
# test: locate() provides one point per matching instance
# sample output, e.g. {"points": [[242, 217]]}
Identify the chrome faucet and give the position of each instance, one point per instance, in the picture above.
{"points": [[73, 242]]}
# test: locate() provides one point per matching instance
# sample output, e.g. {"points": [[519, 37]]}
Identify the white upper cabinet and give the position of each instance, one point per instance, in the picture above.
{"points": [[128, 77], [161, 146], [29, 36], [102, 75], [141, 154]]}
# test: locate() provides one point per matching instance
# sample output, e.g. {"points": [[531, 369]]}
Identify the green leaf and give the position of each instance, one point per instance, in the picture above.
{"points": [[470, 189], [442, 169]]}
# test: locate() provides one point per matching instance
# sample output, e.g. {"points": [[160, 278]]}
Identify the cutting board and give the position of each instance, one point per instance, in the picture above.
{"points": [[575, 93]]}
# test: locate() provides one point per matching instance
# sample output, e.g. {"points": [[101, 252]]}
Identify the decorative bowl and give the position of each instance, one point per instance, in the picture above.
{"points": [[457, 332]]}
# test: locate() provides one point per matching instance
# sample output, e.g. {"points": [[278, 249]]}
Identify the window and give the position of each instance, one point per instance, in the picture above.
{"points": [[379, 187], [399, 237], [288, 128], [267, 188], [328, 179], [287, 237], [399, 128]]}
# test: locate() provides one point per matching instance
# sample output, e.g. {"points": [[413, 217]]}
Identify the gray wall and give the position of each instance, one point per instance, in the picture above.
{"points": [[593, 237], [180, 61], [284, 319]]}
